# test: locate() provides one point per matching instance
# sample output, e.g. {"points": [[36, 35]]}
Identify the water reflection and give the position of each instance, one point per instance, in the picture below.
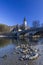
{"points": [[4, 42], [15, 42]]}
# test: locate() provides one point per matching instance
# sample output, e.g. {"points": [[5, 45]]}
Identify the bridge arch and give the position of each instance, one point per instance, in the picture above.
{"points": [[39, 33]]}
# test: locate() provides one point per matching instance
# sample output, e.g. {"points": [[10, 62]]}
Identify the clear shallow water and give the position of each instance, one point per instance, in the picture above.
{"points": [[9, 57]]}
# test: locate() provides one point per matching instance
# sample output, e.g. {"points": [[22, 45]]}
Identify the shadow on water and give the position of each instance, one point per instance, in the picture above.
{"points": [[25, 41]]}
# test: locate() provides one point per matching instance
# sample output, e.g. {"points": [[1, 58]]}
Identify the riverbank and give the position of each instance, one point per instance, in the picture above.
{"points": [[9, 55]]}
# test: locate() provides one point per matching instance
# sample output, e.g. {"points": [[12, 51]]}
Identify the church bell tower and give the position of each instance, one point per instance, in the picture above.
{"points": [[25, 23]]}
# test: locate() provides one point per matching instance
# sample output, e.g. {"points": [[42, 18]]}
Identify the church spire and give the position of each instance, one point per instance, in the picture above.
{"points": [[24, 19]]}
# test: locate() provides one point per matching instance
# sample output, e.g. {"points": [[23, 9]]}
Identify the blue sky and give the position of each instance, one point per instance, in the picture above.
{"points": [[12, 12]]}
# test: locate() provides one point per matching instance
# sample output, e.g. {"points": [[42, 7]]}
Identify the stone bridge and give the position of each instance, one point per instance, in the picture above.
{"points": [[30, 31]]}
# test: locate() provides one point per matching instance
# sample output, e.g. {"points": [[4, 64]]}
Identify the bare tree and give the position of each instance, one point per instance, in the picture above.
{"points": [[42, 25], [36, 24]]}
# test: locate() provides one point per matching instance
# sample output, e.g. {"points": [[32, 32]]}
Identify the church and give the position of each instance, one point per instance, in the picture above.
{"points": [[23, 26]]}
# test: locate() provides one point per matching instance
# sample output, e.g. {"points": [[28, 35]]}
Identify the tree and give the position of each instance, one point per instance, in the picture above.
{"points": [[17, 27], [42, 25], [36, 24]]}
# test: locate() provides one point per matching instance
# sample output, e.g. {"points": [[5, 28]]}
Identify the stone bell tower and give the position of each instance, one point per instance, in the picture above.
{"points": [[25, 23]]}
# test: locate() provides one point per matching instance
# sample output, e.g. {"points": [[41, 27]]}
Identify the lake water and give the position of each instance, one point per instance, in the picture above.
{"points": [[8, 55]]}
